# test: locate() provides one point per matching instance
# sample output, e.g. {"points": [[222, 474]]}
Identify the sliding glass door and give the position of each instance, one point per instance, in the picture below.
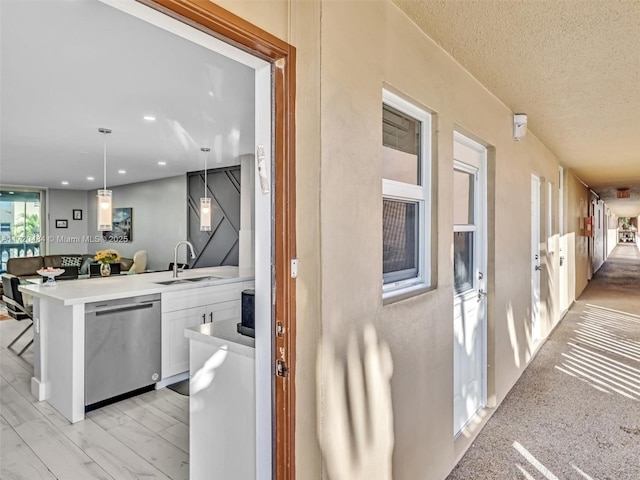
{"points": [[21, 224]]}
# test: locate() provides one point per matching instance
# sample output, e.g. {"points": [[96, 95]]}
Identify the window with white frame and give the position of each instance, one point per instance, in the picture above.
{"points": [[406, 167]]}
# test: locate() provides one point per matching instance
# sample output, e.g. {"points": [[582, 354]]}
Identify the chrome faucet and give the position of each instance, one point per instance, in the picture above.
{"points": [[175, 255]]}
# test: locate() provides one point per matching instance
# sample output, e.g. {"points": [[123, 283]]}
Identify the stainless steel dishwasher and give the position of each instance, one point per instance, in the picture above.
{"points": [[122, 347]]}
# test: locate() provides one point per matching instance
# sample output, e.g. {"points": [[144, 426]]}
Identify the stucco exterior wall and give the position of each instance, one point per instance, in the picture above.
{"points": [[347, 51], [577, 207], [305, 36], [270, 15], [386, 49]]}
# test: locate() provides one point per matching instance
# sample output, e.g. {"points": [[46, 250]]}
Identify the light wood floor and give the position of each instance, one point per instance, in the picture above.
{"points": [[144, 437]]}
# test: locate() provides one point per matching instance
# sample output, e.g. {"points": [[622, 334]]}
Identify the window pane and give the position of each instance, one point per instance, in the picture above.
{"points": [[463, 183], [400, 240], [463, 260], [19, 225], [401, 146]]}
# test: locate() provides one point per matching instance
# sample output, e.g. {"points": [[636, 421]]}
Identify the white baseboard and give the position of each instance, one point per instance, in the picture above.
{"points": [[39, 389]]}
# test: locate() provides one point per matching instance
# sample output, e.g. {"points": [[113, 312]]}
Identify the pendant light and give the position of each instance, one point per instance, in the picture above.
{"points": [[205, 202], [105, 217]]}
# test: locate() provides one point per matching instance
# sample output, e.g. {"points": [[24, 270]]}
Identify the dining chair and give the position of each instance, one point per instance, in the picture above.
{"points": [[16, 308], [139, 262], [70, 273]]}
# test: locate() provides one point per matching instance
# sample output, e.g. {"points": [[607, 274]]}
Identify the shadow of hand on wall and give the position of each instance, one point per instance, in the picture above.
{"points": [[354, 396]]}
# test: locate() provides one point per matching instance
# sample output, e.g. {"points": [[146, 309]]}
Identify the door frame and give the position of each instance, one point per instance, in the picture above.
{"points": [[229, 28], [481, 251], [535, 237]]}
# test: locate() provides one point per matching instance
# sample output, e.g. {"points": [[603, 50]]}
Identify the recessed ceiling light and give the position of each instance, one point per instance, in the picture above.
{"points": [[162, 163], [122, 172], [64, 182], [91, 179], [150, 118], [12, 193]]}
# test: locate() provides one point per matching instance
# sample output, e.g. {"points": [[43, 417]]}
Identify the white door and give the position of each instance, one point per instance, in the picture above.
{"points": [[562, 241], [535, 257], [469, 262]]}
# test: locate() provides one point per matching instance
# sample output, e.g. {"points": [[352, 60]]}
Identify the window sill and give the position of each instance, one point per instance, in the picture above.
{"points": [[395, 296]]}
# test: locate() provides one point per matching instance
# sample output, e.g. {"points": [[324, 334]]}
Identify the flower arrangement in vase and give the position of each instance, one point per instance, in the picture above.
{"points": [[105, 257]]}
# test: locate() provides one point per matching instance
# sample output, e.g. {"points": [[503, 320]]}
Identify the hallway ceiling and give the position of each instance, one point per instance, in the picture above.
{"points": [[572, 66]]}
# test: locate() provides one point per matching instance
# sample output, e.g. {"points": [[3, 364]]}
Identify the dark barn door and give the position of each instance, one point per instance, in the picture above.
{"points": [[220, 245]]}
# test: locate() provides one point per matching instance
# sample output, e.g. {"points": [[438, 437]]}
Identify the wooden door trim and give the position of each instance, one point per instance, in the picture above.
{"points": [[224, 25]]}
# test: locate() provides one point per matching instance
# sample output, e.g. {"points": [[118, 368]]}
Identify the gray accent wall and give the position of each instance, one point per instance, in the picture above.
{"points": [[159, 219], [221, 245], [60, 205]]}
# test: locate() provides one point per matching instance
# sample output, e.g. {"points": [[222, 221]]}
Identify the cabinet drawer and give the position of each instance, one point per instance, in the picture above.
{"points": [[224, 311], [202, 296]]}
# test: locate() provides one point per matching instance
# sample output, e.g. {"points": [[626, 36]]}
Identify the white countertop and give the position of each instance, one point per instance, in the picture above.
{"points": [[223, 334], [97, 289]]}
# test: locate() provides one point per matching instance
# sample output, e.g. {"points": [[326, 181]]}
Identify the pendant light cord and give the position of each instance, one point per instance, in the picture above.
{"points": [[105, 160], [104, 132]]}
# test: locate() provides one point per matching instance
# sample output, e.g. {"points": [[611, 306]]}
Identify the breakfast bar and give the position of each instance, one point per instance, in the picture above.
{"points": [[222, 399], [60, 324]]}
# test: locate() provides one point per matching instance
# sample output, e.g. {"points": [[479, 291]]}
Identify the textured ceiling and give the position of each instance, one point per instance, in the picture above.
{"points": [[623, 207], [573, 66]]}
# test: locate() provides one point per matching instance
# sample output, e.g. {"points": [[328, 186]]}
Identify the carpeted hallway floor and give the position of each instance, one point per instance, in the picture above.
{"points": [[575, 412]]}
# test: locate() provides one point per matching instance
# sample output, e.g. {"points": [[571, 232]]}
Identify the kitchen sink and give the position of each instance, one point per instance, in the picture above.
{"points": [[183, 281], [202, 279], [173, 282]]}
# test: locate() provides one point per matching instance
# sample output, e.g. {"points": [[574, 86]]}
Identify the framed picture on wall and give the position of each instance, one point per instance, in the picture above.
{"points": [[122, 226], [62, 223], [77, 214]]}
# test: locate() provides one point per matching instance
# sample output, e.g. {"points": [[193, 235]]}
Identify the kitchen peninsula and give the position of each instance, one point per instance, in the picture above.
{"points": [[198, 296]]}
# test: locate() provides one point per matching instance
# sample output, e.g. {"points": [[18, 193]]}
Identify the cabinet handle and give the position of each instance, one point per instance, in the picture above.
{"points": [[203, 317], [211, 316], [120, 308]]}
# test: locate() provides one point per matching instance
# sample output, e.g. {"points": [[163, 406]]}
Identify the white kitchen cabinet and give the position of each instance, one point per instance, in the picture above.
{"points": [[175, 347], [218, 312], [189, 308]]}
